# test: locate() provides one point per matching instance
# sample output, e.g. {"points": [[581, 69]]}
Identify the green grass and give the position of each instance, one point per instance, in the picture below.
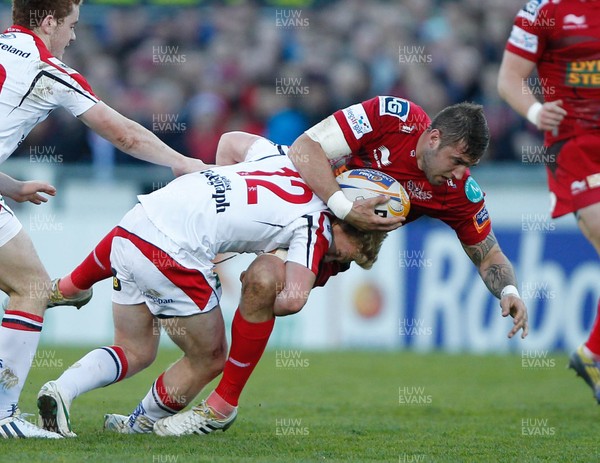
{"points": [[345, 407]]}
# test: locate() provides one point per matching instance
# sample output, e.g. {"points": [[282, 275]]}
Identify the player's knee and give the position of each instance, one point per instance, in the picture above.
{"points": [[139, 359], [35, 290], [265, 275], [216, 363], [209, 362]]}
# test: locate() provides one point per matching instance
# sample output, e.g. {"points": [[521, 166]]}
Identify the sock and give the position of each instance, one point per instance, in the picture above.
{"points": [[248, 342], [219, 405], [157, 403], [593, 342], [98, 368], [95, 267], [19, 337]]}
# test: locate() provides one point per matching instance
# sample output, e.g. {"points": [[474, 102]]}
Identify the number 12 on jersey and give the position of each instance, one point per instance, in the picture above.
{"points": [[286, 190]]}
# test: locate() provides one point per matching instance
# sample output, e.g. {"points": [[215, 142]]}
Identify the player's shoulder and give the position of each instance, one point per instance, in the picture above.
{"points": [[37, 50], [20, 47], [263, 147], [534, 10], [396, 110]]}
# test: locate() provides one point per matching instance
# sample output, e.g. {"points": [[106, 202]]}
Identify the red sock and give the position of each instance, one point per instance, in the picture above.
{"points": [[593, 342], [163, 398], [248, 342], [94, 268]]}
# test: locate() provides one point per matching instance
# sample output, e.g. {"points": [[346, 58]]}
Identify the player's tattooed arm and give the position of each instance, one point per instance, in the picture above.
{"points": [[494, 267]]}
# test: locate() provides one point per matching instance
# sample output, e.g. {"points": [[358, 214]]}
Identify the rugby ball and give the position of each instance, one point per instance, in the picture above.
{"points": [[368, 183]]}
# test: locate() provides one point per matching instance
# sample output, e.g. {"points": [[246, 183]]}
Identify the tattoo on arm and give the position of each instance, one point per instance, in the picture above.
{"points": [[495, 274], [477, 252]]}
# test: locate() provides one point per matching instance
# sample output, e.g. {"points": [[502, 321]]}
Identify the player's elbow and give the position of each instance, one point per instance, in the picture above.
{"points": [[501, 84], [225, 149]]}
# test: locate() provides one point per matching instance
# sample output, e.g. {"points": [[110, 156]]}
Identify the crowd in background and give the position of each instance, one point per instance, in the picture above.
{"points": [[190, 74]]}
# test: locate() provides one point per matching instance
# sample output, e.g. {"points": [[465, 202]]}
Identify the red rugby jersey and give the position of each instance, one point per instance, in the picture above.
{"points": [[563, 39], [382, 133]]}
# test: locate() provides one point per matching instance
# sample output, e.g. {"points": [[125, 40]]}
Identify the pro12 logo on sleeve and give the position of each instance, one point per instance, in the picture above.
{"points": [[524, 40], [481, 219], [357, 120], [393, 106]]}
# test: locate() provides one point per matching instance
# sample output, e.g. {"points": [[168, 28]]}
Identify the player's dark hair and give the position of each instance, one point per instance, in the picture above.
{"points": [[31, 13], [463, 125], [369, 244]]}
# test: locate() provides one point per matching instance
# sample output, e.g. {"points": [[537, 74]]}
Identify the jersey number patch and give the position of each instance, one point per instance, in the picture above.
{"points": [[293, 197]]}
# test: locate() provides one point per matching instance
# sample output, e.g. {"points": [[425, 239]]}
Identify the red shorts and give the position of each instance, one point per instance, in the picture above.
{"points": [[574, 181]]}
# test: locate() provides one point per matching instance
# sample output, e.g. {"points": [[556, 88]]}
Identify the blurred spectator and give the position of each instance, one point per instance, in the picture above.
{"points": [[190, 74]]}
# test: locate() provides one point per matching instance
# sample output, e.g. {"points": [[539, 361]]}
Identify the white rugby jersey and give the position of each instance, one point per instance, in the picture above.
{"points": [[32, 84], [258, 205]]}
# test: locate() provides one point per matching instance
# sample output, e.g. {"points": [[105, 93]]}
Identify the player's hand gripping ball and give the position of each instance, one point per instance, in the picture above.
{"points": [[368, 183]]}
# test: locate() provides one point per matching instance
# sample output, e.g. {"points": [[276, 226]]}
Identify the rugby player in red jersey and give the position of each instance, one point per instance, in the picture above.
{"points": [[562, 41], [33, 82]]}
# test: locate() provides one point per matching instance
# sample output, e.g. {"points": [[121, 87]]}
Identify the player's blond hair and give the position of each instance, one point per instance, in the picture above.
{"points": [[369, 244], [30, 13]]}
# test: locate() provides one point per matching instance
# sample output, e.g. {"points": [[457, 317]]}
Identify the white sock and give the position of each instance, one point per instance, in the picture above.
{"points": [[19, 338], [100, 367], [157, 403]]}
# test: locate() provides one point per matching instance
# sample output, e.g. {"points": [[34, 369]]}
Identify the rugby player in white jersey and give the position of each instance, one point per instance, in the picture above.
{"points": [[33, 82], [162, 254]]}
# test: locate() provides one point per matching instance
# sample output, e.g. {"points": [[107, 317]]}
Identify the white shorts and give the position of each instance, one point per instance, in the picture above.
{"points": [[9, 224], [149, 267]]}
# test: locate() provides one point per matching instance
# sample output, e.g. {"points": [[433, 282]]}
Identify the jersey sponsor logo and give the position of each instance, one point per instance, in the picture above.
{"points": [[583, 74], [578, 186], [222, 185], [529, 10], [451, 183], [382, 156], [357, 120], [393, 106], [481, 219], [473, 190], [14, 50], [572, 21], [156, 297], [7, 36], [593, 181], [524, 40]]}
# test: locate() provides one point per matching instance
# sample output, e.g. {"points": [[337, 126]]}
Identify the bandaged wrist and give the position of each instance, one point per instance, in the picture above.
{"points": [[339, 204], [533, 113], [509, 289]]}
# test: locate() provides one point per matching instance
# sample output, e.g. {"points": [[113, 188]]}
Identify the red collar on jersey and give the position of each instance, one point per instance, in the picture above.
{"points": [[24, 30]]}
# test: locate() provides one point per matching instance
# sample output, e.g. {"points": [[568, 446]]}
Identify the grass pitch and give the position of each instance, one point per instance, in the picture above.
{"points": [[303, 406]]}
